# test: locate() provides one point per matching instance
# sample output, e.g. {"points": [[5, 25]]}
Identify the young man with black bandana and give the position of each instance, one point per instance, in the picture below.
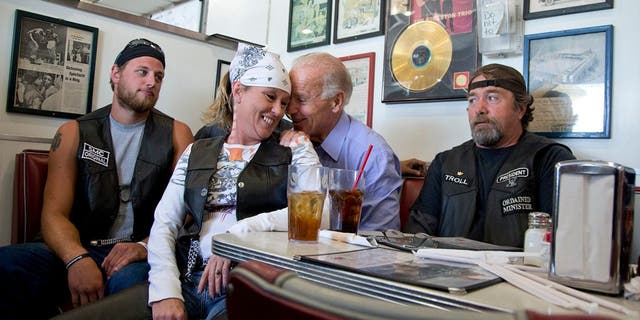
{"points": [[485, 188], [107, 172]]}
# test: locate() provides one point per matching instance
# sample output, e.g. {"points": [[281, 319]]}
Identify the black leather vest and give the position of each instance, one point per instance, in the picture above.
{"points": [[512, 196], [97, 195], [262, 185]]}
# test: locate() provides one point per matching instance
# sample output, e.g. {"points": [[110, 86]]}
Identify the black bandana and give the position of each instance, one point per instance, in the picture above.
{"points": [[139, 48], [511, 85]]}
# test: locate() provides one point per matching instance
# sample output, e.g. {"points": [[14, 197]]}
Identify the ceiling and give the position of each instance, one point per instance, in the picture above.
{"points": [[137, 7]]}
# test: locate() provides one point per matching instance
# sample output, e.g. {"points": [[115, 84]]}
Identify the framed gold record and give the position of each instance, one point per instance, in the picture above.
{"points": [[431, 49], [421, 56]]}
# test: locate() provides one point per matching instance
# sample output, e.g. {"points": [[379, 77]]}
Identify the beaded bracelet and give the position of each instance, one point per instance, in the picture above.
{"points": [[76, 259]]}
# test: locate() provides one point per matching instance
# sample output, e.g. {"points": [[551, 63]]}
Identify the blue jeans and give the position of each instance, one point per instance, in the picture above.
{"points": [[132, 304], [34, 280], [201, 305]]}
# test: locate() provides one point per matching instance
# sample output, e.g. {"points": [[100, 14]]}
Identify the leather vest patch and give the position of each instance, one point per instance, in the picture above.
{"points": [[516, 205], [512, 176], [96, 155], [457, 178]]}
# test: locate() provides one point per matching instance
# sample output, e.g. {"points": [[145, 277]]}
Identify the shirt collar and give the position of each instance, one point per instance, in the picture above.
{"points": [[332, 144]]}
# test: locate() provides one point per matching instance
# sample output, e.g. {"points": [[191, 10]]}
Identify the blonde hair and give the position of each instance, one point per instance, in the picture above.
{"points": [[221, 111]]}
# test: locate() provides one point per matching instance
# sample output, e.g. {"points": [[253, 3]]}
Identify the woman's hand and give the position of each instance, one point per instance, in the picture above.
{"points": [[292, 138], [215, 276]]}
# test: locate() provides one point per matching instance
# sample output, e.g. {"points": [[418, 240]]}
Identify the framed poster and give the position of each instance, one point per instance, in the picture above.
{"points": [[223, 67], [534, 9], [52, 66], [362, 69], [357, 20], [568, 73], [431, 49], [308, 24]]}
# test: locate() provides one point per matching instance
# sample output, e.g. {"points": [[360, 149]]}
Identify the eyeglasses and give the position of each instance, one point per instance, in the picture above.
{"points": [[143, 42], [402, 241]]}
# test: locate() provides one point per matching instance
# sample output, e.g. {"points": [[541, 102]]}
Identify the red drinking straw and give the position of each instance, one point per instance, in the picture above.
{"points": [[364, 163]]}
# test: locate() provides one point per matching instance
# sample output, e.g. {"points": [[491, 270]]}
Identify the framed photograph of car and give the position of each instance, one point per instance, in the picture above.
{"points": [[568, 73], [534, 9]]}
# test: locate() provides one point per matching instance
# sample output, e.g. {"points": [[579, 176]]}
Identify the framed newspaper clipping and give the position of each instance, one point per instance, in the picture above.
{"points": [[52, 66]]}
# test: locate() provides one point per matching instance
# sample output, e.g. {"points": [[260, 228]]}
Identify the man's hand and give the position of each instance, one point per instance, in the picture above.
{"points": [[121, 255], [413, 167], [169, 309], [215, 276], [85, 282]]}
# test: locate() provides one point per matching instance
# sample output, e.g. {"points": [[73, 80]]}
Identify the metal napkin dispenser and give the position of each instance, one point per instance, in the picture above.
{"points": [[592, 225]]}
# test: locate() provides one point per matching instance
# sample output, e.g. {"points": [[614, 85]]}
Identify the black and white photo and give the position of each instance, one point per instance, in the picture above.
{"points": [[52, 66]]}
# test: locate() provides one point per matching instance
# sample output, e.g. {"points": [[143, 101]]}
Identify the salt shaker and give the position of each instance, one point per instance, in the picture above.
{"points": [[537, 239]]}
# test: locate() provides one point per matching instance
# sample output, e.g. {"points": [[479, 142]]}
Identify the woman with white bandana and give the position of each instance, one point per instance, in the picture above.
{"points": [[222, 180]]}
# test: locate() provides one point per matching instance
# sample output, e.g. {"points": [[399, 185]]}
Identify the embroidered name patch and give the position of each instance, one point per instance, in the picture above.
{"points": [[517, 204], [513, 175], [456, 180], [96, 155]]}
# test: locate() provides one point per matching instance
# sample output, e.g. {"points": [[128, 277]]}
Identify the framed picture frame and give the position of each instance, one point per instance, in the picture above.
{"points": [[568, 73], [362, 70], [535, 9], [309, 23], [52, 66], [223, 67], [355, 20], [429, 52]]}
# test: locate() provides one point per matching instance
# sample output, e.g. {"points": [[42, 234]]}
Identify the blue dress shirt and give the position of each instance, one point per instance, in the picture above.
{"points": [[345, 147]]}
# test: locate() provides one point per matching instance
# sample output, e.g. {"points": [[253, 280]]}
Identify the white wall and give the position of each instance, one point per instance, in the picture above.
{"points": [[186, 91], [423, 129]]}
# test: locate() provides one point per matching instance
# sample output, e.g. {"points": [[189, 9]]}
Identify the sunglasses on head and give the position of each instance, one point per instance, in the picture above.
{"points": [[144, 42]]}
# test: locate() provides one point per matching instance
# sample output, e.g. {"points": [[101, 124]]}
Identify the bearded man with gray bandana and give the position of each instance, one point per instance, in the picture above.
{"points": [[485, 188]]}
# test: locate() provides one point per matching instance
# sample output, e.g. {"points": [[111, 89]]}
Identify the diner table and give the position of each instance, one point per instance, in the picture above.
{"points": [[275, 249]]}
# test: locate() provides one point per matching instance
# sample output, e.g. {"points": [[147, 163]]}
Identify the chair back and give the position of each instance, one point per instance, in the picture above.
{"points": [[258, 285], [28, 191], [410, 190]]}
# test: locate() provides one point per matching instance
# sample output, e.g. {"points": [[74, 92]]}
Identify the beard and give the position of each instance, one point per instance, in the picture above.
{"points": [[486, 136], [129, 100]]}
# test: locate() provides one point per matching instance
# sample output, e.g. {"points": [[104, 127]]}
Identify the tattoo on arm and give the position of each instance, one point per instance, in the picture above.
{"points": [[57, 139]]}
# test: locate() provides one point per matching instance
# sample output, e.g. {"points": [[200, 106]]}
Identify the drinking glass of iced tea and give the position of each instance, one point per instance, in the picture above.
{"points": [[306, 191], [346, 201]]}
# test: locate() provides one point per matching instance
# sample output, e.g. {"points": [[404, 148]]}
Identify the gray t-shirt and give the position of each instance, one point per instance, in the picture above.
{"points": [[126, 143]]}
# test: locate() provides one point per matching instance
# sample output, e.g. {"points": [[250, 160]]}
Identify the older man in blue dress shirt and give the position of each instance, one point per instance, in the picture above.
{"points": [[321, 90]]}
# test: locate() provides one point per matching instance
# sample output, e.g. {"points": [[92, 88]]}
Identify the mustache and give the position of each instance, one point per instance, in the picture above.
{"points": [[482, 119]]}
